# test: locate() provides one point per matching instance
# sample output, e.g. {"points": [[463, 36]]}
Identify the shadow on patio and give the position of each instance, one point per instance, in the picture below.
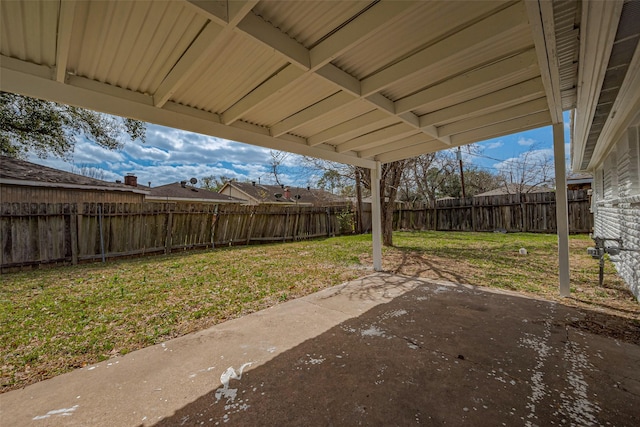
{"points": [[438, 354]]}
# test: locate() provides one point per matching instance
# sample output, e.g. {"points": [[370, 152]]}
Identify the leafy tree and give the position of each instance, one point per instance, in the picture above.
{"points": [[389, 184], [214, 183], [430, 176], [48, 128], [477, 181], [337, 183]]}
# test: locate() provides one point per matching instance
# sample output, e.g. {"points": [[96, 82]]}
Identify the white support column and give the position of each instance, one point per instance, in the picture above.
{"points": [[376, 218], [562, 215]]}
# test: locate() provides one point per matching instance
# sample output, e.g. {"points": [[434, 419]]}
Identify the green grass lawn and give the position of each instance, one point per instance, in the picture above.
{"points": [[57, 319]]}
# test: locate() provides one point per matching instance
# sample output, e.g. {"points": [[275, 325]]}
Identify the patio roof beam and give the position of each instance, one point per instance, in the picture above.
{"points": [[276, 83], [223, 12], [478, 77], [412, 151], [386, 105], [212, 36], [268, 35], [396, 145], [360, 28], [515, 111], [36, 81], [353, 127], [376, 138], [521, 92], [494, 27], [197, 53], [309, 114], [316, 60], [63, 41], [506, 127], [543, 27]]}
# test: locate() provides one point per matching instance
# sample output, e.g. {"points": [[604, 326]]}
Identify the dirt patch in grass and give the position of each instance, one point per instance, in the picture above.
{"points": [[494, 260], [54, 320]]}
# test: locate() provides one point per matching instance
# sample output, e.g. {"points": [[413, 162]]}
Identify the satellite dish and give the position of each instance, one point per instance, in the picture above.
{"points": [[193, 181]]}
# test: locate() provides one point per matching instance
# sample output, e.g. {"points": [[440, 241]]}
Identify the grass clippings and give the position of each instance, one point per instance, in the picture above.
{"points": [[57, 319]]}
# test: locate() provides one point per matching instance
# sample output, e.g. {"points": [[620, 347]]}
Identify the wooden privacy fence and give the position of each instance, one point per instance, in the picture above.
{"points": [[525, 212], [39, 233]]}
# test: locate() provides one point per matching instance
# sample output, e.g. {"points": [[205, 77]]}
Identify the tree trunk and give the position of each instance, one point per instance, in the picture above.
{"points": [[359, 227], [391, 177]]}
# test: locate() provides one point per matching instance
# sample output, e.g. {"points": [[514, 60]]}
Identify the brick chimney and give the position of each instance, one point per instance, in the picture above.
{"points": [[131, 180], [287, 193]]}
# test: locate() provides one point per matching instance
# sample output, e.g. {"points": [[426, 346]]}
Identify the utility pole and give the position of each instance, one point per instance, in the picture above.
{"points": [[461, 172]]}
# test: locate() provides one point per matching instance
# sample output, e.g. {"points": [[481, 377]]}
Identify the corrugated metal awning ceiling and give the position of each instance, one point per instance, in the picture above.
{"points": [[350, 81]]}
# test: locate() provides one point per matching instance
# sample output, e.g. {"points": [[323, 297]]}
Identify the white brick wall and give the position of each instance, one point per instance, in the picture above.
{"points": [[616, 203]]}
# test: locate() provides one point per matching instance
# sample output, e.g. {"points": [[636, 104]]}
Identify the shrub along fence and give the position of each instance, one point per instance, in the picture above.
{"points": [[40, 233]]}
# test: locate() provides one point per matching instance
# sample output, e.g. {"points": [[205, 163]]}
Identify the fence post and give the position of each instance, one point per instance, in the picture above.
{"points": [[286, 223], [295, 224], [328, 223], [73, 228], [167, 241], [473, 214], [214, 221], [523, 214], [250, 231]]}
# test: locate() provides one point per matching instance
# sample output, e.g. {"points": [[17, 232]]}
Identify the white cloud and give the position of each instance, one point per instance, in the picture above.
{"points": [[171, 155], [493, 145], [526, 142], [145, 152], [90, 153]]}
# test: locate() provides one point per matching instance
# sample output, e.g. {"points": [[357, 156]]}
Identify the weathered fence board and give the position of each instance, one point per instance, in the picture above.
{"points": [[38, 233], [527, 212], [34, 234]]}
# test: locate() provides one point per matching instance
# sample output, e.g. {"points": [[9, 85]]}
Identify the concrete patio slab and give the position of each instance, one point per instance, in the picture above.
{"points": [[382, 350]]}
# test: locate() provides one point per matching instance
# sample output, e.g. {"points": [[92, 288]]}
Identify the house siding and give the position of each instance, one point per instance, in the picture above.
{"points": [[230, 191], [29, 194], [616, 204]]}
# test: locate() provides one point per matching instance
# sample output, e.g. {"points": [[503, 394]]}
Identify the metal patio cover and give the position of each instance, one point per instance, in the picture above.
{"points": [[357, 82]]}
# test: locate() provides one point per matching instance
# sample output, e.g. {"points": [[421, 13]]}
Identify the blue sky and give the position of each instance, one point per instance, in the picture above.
{"points": [[171, 155]]}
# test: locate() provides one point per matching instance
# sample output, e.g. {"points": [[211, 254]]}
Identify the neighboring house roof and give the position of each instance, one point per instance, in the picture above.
{"points": [[514, 189], [176, 192], [261, 193], [20, 172], [580, 178]]}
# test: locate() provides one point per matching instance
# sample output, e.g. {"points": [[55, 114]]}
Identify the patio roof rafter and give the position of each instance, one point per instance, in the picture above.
{"points": [[63, 41], [510, 96], [329, 76], [316, 61], [304, 62], [541, 19], [492, 28], [211, 37]]}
